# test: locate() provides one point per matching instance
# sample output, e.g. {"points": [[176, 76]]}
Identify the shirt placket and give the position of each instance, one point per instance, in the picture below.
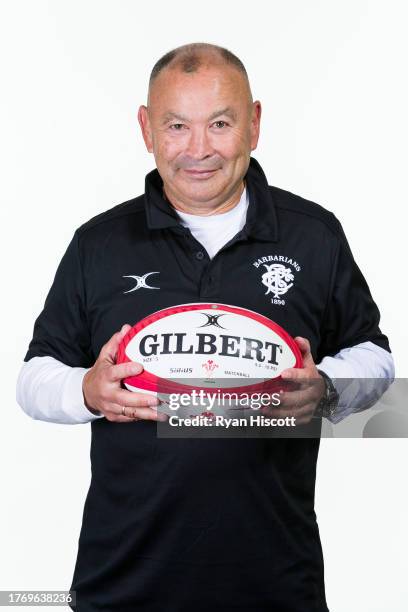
{"points": [[209, 271]]}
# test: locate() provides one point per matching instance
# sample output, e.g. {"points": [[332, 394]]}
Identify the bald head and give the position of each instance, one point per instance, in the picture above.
{"points": [[192, 57]]}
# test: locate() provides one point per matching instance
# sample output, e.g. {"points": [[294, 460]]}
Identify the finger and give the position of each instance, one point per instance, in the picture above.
{"points": [[306, 412], [289, 399], [134, 399], [304, 345], [148, 414], [297, 412], [109, 350], [120, 371], [115, 413], [297, 374]]}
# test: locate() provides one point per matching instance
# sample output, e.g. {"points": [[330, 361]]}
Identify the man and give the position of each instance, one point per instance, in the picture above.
{"points": [[205, 524]]}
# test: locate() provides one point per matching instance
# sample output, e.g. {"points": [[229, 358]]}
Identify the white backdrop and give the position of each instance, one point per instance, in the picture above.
{"points": [[331, 76]]}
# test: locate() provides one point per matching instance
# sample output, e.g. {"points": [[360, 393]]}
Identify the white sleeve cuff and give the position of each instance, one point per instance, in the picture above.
{"points": [[373, 365], [72, 398], [49, 390]]}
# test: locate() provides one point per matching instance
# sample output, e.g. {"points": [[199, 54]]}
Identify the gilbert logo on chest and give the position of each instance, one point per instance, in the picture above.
{"points": [[277, 275]]}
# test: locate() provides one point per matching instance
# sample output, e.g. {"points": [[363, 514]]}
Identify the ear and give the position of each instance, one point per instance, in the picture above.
{"points": [[144, 122], [255, 123]]}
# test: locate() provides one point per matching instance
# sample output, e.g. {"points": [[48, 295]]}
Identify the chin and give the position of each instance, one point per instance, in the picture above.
{"points": [[199, 191], [200, 195]]}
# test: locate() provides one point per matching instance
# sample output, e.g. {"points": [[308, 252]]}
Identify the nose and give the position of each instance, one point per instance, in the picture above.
{"points": [[199, 145]]}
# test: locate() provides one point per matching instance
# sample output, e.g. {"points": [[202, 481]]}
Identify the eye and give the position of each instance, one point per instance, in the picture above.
{"points": [[223, 122], [176, 126]]}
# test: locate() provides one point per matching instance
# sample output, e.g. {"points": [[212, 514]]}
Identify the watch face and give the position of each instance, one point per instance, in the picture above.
{"points": [[328, 403]]}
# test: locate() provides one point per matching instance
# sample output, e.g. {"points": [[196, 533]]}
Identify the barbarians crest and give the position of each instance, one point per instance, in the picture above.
{"points": [[278, 279], [278, 276]]}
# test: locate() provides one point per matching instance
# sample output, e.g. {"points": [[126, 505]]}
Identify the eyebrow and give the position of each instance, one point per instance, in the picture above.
{"points": [[223, 111]]}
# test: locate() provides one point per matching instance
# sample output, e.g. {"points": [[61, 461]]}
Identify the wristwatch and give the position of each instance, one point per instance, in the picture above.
{"points": [[329, 402]]}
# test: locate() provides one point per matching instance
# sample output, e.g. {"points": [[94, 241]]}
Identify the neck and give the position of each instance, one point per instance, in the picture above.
{"points": [[206, 208]]}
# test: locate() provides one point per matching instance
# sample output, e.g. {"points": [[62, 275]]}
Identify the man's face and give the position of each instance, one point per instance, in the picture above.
{"points": [[201, 128]]}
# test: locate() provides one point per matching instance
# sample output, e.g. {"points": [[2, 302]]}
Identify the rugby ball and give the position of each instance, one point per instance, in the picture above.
{"points": [[207, 347]]}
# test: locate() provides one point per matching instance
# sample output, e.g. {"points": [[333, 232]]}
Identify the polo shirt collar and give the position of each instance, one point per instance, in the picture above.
{"points": [[261, 221]]}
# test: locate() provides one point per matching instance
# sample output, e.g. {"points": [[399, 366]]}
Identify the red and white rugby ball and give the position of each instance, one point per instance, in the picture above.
{"points": [[207, 346]]}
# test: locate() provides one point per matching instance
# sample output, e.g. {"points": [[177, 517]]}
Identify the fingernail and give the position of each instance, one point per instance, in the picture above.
{"points": [[153, 401]]}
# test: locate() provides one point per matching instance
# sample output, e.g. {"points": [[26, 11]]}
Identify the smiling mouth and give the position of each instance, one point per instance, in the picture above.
{"points": [[200, 173]]}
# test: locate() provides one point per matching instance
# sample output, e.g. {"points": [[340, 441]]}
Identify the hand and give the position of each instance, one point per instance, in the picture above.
{"points": [[102, 389], [310, 387]]}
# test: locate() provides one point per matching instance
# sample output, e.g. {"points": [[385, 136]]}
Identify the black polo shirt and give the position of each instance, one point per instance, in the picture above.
{"points": [[173, 525]]}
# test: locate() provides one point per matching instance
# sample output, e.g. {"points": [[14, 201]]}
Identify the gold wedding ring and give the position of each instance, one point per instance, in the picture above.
{"points": [[130, 416]]}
